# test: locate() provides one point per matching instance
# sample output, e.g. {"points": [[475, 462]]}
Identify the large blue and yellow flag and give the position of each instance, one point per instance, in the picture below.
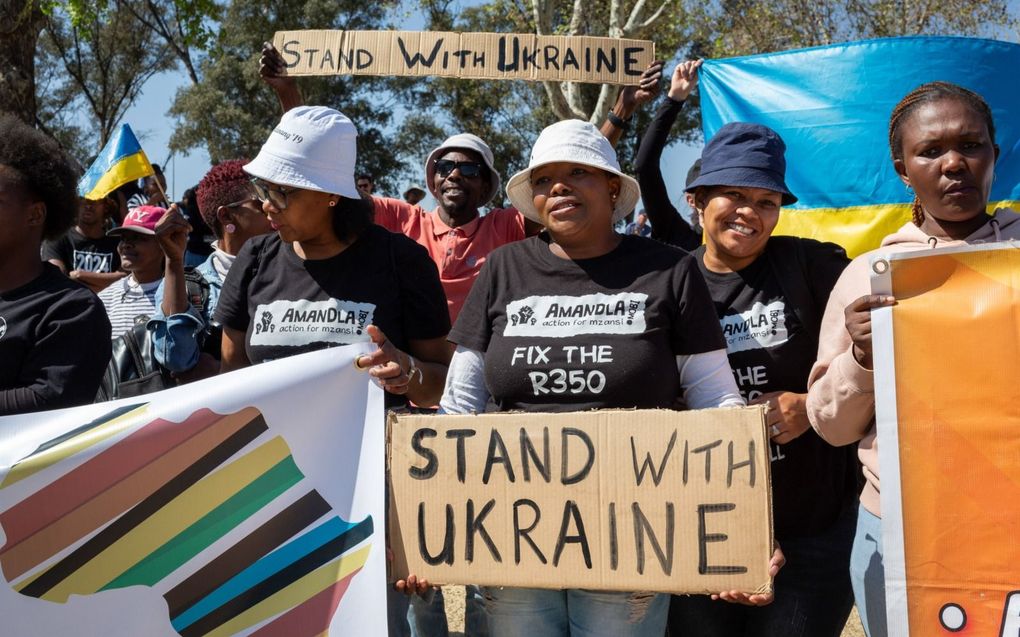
{"points": [[121, 160], [832, 105]]}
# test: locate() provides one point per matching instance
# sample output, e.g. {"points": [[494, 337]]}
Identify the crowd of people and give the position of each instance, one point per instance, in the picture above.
{"points": [[108, 298]]}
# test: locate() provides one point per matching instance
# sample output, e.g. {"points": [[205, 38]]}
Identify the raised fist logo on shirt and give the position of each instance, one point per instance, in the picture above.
{"points": [[266, 324], [523, 316]]}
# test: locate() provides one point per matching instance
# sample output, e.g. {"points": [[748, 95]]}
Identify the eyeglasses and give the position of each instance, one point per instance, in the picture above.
{"points": [[251, 200], [274, 195], [467, 168]]}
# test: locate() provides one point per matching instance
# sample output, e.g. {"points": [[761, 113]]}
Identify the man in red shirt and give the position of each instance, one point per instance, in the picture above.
{"points": [[461, 177]]}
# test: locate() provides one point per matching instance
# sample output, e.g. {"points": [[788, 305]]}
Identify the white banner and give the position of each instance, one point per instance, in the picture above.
{"points": [[251, 503]]}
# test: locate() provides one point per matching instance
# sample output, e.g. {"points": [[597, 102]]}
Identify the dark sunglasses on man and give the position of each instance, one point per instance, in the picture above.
{"points": [[467, 168]]}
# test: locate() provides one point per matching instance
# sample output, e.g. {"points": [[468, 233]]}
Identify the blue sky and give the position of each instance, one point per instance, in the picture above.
{"points": [[153, 127]]}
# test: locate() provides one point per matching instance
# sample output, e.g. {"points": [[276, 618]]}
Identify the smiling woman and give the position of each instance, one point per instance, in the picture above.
{"points": [[610, 312]]}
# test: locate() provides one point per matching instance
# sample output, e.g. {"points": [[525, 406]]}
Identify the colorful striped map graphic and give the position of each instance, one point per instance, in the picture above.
{"points": [[213, 513]]}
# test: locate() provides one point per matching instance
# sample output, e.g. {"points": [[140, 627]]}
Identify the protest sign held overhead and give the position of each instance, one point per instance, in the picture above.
{"points": [[949, 439], [483, 56], [214, 509], [613, 500]]}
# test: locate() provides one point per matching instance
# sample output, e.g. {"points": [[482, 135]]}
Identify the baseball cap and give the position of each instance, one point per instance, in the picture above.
{"points": [[142, 220]]}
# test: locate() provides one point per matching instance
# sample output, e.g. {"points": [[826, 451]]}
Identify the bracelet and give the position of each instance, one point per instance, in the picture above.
{"points": [[615, 120], [413, 369]]}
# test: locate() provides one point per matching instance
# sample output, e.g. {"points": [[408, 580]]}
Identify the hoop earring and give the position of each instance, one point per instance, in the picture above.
{"points": [[332, 203]]}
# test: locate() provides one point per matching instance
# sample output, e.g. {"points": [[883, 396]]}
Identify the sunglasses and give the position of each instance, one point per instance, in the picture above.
{"points": [[274, 195], [467, 168]]}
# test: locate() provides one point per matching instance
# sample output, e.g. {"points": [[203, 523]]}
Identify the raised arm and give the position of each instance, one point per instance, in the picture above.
{"points": [[667, 224], [272, 70], [628, 101]]}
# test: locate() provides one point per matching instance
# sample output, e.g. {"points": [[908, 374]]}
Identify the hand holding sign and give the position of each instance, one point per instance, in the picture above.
{"points": [[387, 364], [858, 325], [273, 72]]}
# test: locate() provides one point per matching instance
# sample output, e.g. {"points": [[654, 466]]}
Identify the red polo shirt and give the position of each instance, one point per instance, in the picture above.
{"points": [[458, 252]]}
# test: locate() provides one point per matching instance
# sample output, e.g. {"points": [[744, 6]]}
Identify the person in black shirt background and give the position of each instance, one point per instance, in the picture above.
{"points": [[769, 294], [54, 334], [85, 253]]}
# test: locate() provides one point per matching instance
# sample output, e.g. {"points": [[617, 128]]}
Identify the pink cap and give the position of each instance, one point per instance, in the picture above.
{"points": [[142, 220]]}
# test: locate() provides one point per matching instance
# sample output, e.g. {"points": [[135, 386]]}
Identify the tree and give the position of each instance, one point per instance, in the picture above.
{"points": [[105, 64], [744, 27], [509, 115], [184, 25], [20, 24], [230, 111]]}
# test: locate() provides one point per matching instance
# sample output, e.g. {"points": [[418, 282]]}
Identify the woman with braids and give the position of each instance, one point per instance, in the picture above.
{"points": [[768, 294], [942, 140], [328, 276], [54, 334]]}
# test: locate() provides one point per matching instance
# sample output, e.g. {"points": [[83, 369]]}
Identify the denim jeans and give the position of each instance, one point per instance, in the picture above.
{"points": [[533, 612], [813, 596], [427, 615], [867, 573]]}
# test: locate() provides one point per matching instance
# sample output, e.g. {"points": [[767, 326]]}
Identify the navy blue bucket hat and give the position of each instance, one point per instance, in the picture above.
{"points": [[747, 155]]}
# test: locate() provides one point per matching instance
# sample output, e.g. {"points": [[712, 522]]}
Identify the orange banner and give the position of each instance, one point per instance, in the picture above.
{"points": [[947, 369]]}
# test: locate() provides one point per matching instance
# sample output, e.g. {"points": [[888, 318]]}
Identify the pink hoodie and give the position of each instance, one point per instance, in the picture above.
{"points": [[841, 393]]}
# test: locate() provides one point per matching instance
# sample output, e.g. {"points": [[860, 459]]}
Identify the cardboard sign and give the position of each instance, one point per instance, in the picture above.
{"points": [[947, 358], [650, 500], [483, 56]]}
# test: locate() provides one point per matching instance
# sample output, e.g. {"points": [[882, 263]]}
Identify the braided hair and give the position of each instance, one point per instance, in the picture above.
{"points": [[927, 94]]}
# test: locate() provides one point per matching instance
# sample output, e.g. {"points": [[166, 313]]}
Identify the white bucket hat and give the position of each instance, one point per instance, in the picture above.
{"points": [[576, 142], [313, 147], [463, 141]]}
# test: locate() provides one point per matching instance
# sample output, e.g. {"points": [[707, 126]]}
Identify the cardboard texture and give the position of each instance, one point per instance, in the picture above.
{"points": [[650, 500], [483, 56]]}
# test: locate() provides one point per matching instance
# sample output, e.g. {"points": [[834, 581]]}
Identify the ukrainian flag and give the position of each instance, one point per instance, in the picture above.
{"points": [[832, 105], [121, 160]]}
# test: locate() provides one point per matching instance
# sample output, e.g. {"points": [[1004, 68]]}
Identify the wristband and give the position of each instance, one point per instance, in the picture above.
{"points": [[413, 369], [615, 120]]}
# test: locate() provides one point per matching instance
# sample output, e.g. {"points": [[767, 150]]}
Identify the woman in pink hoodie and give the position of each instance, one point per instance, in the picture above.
{"points": [[942, 139]]}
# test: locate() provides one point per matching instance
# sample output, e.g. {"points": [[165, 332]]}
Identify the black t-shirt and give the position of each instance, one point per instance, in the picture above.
{"points": [[561, 335], [79, 252], [287, 305], [771, 332], [54, 344]]}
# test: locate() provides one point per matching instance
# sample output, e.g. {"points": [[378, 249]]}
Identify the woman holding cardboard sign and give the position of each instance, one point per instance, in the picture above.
{"points": [[600, 315]]}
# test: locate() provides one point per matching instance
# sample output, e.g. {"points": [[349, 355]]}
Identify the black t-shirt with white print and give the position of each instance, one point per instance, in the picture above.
{"points": [[287, 305], [78, 252], [561, 335], [770, 349]]}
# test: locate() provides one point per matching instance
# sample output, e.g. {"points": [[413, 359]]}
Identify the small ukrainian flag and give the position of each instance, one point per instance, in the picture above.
{"points": [[121, 160]]}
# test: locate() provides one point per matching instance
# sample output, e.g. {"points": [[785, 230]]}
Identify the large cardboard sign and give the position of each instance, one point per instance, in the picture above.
{"points": [[614, 500], [483, 56], [947, 359], [250, 503]]}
